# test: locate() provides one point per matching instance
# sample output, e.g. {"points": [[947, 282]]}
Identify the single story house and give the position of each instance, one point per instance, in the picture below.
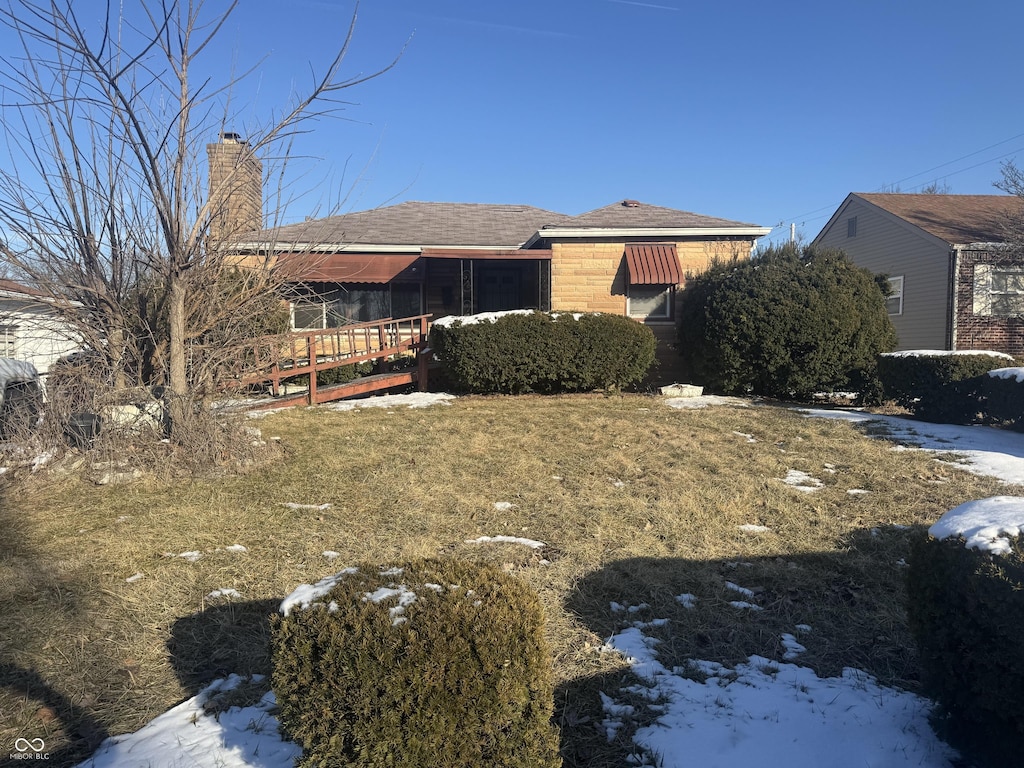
{"points": [[955, 273], [30, 329], [413, 258]]}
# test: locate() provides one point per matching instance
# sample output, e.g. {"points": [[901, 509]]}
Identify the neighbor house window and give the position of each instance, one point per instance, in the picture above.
{"points": [[7, 336], [851, 226], [894, 304], [998, 291], [650, 302]]}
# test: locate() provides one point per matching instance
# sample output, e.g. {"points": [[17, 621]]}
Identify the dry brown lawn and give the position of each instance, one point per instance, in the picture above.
{"points": [[636, 502]]}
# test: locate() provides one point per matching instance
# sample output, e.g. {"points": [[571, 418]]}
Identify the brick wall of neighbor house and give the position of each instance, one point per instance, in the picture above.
{"points": [[1000, 334]]}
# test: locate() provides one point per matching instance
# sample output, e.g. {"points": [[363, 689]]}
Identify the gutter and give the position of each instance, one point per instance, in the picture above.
{"points": [[648, 232], [954, 308]]}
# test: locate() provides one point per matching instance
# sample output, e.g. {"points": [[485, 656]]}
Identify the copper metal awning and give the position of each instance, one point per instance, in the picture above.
{"points": [[653, 264]]}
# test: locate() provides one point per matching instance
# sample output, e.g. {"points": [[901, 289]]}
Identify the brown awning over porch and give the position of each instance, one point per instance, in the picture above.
{"points": [[349, 267], [498, 254], [653, 264]]}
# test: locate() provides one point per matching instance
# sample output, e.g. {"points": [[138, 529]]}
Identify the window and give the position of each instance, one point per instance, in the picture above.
{"points": [[851, 226], [894, 303], [998, 291], [650, 301], [7, 338], [313, 310]]}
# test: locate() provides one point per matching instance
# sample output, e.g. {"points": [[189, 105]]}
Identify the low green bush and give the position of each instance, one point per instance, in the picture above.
{"points": [[936, 387], [437, 663], [1002, 399], [544, 353], [966, 611]]}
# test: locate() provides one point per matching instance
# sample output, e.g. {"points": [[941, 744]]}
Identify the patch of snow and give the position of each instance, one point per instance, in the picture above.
{"points": [[749, 438], [504, 506], [481, 317], [745, 606], [191, 556], [804, 627], [986, 524], [751, 528], [330, 554], [945, 353], [507, 540], [857, 492], [742, 590], [687, 600], [406, 597], [793, 648], [187, 735], [984, 451], [294, 505], [411, 400], [236, 548], [306, 595], [801, 481], [224, 592], [133, 578], [1017, 374], [705, 401]]}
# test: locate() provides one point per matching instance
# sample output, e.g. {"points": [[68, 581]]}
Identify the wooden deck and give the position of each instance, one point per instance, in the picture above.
{"points": [[282, 357]]}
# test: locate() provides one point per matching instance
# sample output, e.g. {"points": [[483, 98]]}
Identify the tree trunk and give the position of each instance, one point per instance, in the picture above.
{"points": [[175, 397]]}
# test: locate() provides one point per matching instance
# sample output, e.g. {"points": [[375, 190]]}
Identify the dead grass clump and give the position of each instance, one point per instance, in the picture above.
{"points": [[634, 502]]}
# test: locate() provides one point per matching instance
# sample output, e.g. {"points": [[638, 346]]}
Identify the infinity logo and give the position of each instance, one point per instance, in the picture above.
{"points": [[33, 745]]}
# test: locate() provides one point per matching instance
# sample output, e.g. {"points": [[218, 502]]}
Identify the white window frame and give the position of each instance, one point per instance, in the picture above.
{"points": [[895, 292], [667, 290], [984, 291], [8, 341]]}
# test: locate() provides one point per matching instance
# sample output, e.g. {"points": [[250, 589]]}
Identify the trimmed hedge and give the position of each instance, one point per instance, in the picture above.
{"points": [[1002, 398], [966, 610], [939, 386], [436, 663], [544, 353]]}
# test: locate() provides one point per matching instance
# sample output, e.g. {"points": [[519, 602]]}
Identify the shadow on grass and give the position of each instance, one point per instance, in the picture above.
{"points": [[31, 585], [853, 599], [221, 640]]}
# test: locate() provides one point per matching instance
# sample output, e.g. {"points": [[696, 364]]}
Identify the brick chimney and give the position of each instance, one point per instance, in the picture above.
{"points": [[236, 188]]}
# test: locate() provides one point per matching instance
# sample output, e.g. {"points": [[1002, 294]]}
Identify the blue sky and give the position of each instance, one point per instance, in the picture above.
{"points": [[760, 112]]}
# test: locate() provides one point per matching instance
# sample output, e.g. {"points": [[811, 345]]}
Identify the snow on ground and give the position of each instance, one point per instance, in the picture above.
{"points": [[981, 450], [706, 401], [764, 712], [412, 400], [985, 524], [771, 714]]}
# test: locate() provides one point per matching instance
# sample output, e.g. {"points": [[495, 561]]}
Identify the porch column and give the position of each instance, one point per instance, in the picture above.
{"points": [[544, 285], [466, 268]]}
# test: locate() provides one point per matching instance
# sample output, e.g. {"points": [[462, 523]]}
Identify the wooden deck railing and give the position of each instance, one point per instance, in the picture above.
{"points": [[272, 359]]}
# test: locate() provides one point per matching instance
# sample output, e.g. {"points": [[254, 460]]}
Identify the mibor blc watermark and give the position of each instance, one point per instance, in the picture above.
{"points": [[29, 749]]}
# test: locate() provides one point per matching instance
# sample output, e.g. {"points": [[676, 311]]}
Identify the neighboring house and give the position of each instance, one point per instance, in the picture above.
{"points": [[30, 329], [956, 283]]}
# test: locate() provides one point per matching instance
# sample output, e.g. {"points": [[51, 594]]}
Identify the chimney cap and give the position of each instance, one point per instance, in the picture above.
{"points": [[229, 137], [630, 203]]}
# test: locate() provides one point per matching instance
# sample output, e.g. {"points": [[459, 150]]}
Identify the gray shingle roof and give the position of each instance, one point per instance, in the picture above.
{"points": [[632, 214], [472, 224], [421, 224], [957, 219]]}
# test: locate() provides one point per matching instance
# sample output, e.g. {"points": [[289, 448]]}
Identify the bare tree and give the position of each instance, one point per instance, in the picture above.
{"points": [[105, 205]]}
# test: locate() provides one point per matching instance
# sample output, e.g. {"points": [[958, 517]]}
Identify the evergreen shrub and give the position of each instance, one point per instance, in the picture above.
{"points": [[966, 611], [437, 663], [939, 387], [544, 352], [789, 323], [1002, 398]]}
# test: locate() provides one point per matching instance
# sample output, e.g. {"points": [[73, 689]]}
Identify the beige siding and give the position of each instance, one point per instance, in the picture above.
{"points": [[884, 244]]}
